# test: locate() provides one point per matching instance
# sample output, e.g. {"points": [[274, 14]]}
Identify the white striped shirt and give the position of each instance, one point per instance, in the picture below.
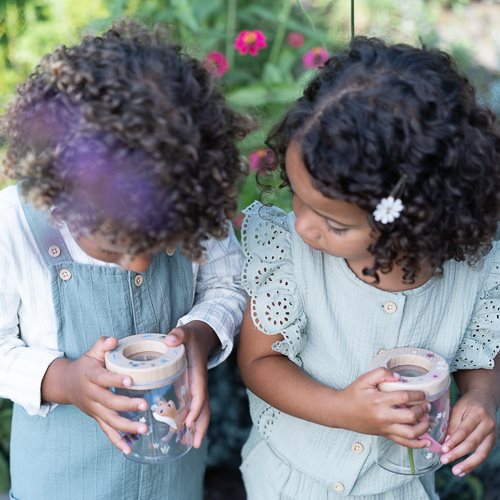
{"points": [[28, 332]]}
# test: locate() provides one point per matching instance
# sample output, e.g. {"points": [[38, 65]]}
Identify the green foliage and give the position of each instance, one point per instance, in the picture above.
{"points": [[5, 417], [263, 86]]}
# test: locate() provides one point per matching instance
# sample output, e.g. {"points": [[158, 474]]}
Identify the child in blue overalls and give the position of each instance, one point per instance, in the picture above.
{"points": [[126, 163]]}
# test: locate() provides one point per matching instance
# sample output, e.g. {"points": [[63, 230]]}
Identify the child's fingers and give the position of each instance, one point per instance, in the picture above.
{"points": [[405, 398], [199, 397], [114, 437], [105, 378], [201, 425], [476, 459], [102, 345], [124, 403], [478, 440], [408, 443], [175, 337], [410, 415], [119, 423], [375, 377], [410, 433]]}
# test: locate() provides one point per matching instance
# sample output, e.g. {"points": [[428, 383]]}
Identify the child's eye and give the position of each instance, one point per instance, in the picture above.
{"points": [[333, 229]]}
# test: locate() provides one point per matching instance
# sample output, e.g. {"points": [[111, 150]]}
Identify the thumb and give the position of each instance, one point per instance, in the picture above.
{"points": [[102, 345], [379, 375], [175, 337]]}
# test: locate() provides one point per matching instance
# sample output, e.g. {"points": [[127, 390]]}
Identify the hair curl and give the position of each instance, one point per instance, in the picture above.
{"points": [[378, 113], [126, 136]]}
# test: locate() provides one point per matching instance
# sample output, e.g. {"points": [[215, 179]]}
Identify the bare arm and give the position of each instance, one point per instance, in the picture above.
{"points": [[360, 407]]}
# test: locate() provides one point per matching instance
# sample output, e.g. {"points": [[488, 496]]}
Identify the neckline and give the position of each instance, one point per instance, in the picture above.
{"points": [[362, 284]]}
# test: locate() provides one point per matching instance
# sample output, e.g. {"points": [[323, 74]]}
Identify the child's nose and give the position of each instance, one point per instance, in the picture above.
{"points": [[138, 264], [307, 224]]}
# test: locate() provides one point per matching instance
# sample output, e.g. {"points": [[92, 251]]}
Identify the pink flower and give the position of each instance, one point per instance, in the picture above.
{"points": [[258, 158], [315, 57], [216, 62], [295, 39], [250, 42], [238, 220]]}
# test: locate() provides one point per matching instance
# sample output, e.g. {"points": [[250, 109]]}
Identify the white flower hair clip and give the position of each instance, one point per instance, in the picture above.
{"points": [[390, 208]]}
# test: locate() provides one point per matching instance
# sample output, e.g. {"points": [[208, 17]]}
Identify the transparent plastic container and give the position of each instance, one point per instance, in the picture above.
{"points": [[159, 375], [420, 370]]}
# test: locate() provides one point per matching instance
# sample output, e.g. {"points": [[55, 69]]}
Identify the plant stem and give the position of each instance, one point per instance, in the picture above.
{"points": [[352, 18], [280, 32], [410, 458], [230, 30]]}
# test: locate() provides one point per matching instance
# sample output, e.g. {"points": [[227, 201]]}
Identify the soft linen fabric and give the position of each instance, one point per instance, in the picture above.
{"points": [[332, 325], [66, 455], [28, 323]]}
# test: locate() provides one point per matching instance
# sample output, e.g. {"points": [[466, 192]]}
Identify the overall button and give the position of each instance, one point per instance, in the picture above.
{"points": [[138, 280], [338, 487], [54, 251], [390, 307], [357, 448], [65, 274], [170, 251]]}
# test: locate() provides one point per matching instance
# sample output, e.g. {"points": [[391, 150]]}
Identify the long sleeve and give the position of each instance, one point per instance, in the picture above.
{"points": [[22, 368], [219, 297]]}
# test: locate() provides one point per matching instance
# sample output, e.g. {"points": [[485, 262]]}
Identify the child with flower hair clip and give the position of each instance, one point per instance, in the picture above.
{"points": [[394, 171], [126, 160]]}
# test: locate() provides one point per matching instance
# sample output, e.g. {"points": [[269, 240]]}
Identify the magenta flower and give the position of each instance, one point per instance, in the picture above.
{"points": [[250, 42], [237, 221], [216, 62], [259, 158], [315, 57], [295, 39]]}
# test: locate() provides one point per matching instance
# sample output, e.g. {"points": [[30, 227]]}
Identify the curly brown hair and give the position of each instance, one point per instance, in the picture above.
{"points": [[379, 116], [126, 136]]}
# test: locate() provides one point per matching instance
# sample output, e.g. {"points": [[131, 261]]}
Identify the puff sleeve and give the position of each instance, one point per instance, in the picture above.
{"points": [[276, 306], [481, 342]]}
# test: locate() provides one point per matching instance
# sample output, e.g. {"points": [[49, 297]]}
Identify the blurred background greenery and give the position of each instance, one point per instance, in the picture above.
{"points": [[296, 36]]}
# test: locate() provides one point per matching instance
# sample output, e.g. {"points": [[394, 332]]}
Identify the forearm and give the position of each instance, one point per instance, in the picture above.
{"points": [[54, 383], [284, 385], [487, 381]]}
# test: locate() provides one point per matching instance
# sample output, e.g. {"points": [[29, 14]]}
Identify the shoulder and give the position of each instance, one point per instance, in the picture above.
{"points": [[9, 200], [13, 230], [265, 231], [11, 212]]}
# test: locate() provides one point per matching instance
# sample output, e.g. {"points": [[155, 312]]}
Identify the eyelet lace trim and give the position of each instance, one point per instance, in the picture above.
{"points": [[481, 342], [268, 277]]}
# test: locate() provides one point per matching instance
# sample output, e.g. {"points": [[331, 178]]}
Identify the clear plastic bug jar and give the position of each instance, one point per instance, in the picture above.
{"points": [[419, 370], [159, 375]]}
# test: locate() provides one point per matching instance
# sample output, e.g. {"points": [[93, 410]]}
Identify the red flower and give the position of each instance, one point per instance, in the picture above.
{"points": [[216, 62], [250, 42], [258, 158], [315, 57], [238, 220], [295, 39]]}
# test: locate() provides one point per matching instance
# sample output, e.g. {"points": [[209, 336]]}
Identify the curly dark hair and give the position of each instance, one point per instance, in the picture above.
{"points": [[126, 136], [378, 114]]}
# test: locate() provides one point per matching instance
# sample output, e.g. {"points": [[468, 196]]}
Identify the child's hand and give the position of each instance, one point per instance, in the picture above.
{"points": [[85, 382], [472, 429], [198, 339], [400, 416]]}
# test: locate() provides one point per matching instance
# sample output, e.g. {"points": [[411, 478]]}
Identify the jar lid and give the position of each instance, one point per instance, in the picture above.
{"points": [[420, 370], [146, 359]]}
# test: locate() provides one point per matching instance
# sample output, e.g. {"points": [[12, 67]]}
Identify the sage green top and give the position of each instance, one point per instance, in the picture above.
{"points": [[333, 324]]}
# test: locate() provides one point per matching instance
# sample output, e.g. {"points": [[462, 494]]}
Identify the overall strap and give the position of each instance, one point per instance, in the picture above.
{"points": [[47, 237]]}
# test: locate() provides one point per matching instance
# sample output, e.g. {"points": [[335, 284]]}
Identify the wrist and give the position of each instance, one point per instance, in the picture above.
{"points": [[205, 336], [55, 382]]}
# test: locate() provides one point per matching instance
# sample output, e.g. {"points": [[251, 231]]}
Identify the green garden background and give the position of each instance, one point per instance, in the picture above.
{"points": [[298, 35]]}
